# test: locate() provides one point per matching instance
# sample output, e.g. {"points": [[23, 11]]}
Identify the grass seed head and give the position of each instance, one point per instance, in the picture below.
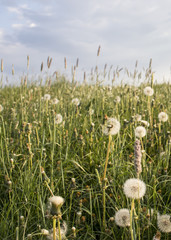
{"points": [[137, 156]]}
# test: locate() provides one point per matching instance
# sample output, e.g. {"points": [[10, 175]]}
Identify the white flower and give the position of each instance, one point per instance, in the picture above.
{"points": [[140, 131], [1, 108], [148, 91], [134, 188], [76, 101], [145, 123], [46, 97], [55, 101], [58, 118], [111, 127], [163, 117], [122, 217], [163, 222], [56, 204], [117, 99]]}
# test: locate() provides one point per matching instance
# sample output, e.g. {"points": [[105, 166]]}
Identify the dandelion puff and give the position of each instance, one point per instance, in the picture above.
{"points": [[58, 118], [55, 101], [76, 101], [140, 132], [117, 99], [122, 217], [137, 117], [1, 108], [148, 91], [145, 123], [111, 127], [163, 117], [57, 203], [44, 232], [134, 188], [46, 97], [163, 222]]}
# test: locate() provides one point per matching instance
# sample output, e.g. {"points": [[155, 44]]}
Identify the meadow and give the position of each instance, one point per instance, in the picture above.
{"points": [[80, 142]]}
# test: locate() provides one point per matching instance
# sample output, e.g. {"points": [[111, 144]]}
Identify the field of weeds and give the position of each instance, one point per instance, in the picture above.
{"points": [[85, 161]]}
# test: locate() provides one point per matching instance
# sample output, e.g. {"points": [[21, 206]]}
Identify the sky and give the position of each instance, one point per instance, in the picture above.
{"points": [[127, 31]]}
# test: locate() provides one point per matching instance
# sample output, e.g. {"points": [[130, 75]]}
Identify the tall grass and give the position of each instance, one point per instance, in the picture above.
{"points": [[31, 141]]}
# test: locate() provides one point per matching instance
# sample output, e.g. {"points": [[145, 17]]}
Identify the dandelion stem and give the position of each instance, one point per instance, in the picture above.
{"points": [[49, 188], [131, 217], [107, 156], [159, 135], [54, 228], [104, 183], [59, 228], [104, 204]]}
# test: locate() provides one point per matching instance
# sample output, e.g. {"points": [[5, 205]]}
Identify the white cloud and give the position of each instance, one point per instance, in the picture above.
{"points": [[126, 30], [17, 25], [32, 25]]}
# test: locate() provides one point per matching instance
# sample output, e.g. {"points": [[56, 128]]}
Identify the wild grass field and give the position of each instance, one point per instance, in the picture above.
{"points": [[103, 151]]}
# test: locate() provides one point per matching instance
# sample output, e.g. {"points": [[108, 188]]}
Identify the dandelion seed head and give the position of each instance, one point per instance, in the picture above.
{"points": [[57, 200], [47, 97], [162, 154], [111, 127], [164, 223], [56, 203], [140, 132], [55, 101], [44, 232], [163, 117], [58, 118], [148, 91], [117, 99], [145, 123], [122, 217], [137, 117], [76, 101], [79, 213], [134, 188]]}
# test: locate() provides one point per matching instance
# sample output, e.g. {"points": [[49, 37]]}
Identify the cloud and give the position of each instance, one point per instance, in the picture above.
{"points": [[126, 30]]}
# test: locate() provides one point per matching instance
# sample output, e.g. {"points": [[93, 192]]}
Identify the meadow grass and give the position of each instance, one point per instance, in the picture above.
{"points": [[39, 158]]}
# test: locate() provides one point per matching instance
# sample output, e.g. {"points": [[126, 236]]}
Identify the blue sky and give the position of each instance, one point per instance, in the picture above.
{"points": [[127, 30]]}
